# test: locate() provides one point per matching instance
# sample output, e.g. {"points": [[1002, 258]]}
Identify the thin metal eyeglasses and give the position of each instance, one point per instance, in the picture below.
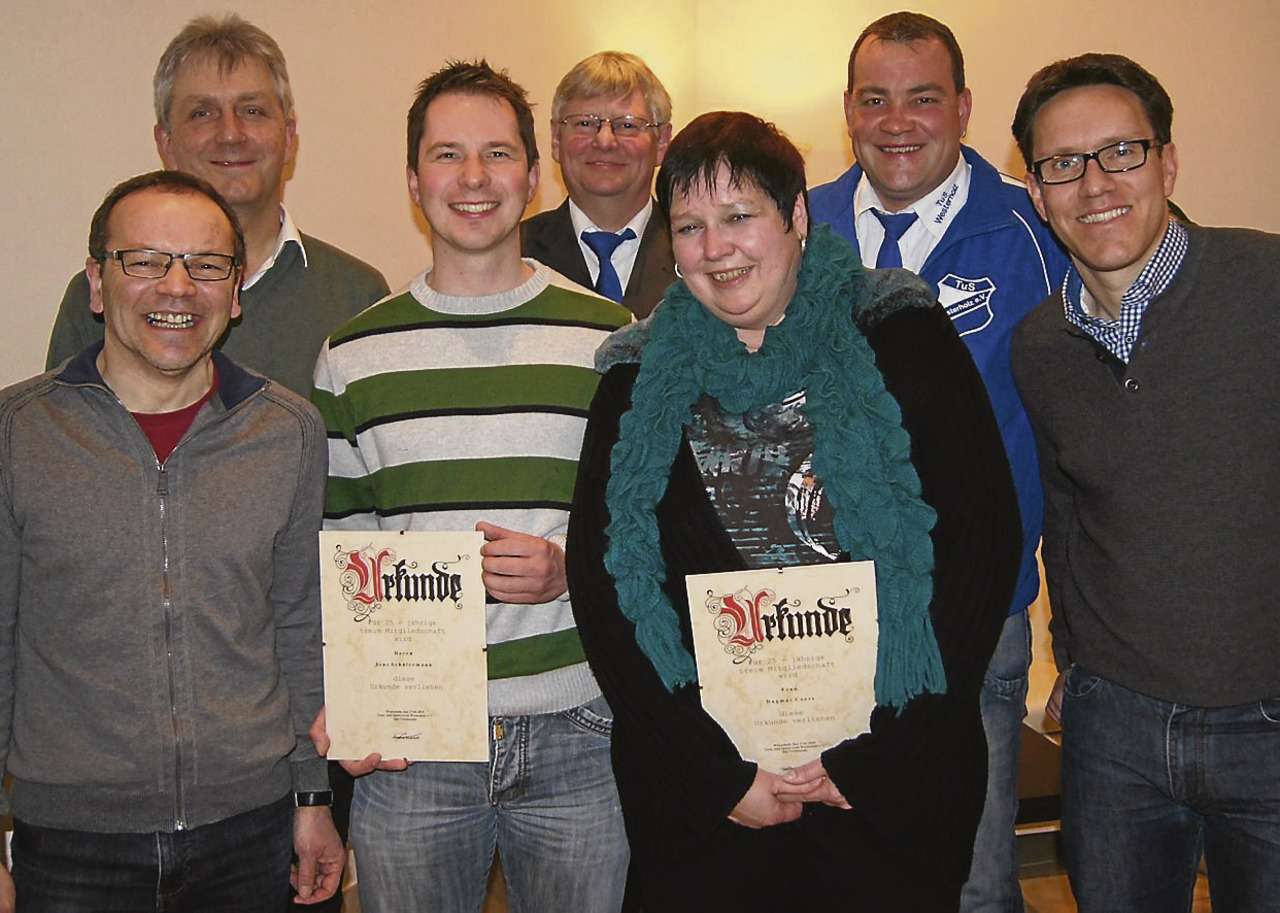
{"points": [[154, 264], [1125, 155], [626, 126]]}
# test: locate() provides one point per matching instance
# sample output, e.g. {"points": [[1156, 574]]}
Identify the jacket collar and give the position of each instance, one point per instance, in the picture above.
{"points": [[235, 384], [985, 210]]}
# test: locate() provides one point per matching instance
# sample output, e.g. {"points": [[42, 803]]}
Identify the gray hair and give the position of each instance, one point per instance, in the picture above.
{"points": [[230, 41]]}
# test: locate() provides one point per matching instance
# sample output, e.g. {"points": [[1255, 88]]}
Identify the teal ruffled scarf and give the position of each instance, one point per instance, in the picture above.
{"points": [[861, 454]]}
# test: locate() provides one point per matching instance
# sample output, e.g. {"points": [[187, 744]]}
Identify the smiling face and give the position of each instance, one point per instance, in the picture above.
{"points": [[230, 129], [1111, 224], [736, 255], [605, 165], [162, 329], [905, 117], [473, 180]]}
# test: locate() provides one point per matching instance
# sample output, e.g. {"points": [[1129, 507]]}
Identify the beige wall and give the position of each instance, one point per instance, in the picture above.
{"points": [[77, 117]]}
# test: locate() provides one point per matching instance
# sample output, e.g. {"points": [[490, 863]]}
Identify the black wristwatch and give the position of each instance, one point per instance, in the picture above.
{"points": [[316, 797]]}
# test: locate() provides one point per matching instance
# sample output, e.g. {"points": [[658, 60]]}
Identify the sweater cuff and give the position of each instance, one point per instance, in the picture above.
{"points": [[311, 775]]}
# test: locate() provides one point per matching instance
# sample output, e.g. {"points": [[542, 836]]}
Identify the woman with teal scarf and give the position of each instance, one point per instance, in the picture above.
{"points": [[784, 406]]}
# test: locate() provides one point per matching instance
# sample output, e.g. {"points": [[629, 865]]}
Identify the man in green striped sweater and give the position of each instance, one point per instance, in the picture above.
{"points": [[460, 404]]}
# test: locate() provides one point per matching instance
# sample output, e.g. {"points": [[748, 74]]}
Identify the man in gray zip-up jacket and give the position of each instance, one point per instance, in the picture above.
{"points": [[159, 597]]}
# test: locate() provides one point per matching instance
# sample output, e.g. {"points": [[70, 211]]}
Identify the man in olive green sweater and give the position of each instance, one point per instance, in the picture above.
{"points": [[224, 112]]}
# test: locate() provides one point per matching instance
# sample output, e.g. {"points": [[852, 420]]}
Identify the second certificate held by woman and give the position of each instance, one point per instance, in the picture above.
{"points": [[784, 407]]}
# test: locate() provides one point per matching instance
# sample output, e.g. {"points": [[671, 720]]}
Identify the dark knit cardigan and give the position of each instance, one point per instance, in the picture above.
{"points": [[916, 781]]}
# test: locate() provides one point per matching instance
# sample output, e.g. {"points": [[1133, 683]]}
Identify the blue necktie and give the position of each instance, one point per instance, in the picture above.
{"points": [[603, 244], [895, 226]]}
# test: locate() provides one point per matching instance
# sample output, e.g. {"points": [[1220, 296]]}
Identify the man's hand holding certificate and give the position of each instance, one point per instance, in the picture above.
{"points": [[404, 645]]}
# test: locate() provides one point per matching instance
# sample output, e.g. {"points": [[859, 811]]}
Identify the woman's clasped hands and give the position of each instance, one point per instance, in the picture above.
{"points": [[779, 798]]}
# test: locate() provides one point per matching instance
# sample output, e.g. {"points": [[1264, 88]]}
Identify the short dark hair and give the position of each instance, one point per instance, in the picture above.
{"points": [[471, 78], [752, 149], [1092, 70], [904, 28], [165, 182]]}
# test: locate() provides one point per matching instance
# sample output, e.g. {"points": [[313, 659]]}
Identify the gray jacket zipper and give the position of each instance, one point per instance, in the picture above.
{"points": [[166, 605]]}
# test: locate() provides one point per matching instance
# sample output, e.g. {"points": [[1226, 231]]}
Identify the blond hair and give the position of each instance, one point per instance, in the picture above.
{"points": [[613, 74]]}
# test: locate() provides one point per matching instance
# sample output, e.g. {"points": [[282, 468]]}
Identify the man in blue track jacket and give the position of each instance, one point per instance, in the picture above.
{"points": [[919, 199]]}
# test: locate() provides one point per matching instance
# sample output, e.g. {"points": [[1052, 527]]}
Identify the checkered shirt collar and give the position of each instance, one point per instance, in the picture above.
{"points": [[1120, 336]]}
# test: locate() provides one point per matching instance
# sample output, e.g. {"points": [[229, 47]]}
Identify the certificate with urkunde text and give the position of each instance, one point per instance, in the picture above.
{"points": [[787, 657], [404, 645]]}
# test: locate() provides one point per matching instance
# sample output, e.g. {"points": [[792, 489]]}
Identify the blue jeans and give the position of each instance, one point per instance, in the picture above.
{"points": [[1148, 785], [239, 864], [993, 877], [424, 838]]}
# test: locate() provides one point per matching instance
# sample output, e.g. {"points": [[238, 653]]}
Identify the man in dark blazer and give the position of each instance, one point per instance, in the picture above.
{"points": [[610, 126]]}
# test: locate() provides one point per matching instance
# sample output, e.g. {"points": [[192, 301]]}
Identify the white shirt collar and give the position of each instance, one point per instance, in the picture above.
{"points": [[288, 232], [935, 211], [582, 222], [624, 258]]}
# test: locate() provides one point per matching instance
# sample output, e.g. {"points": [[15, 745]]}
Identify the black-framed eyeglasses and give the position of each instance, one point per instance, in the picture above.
{"points": [[154, 264], [624, 126], [1125, 155]]}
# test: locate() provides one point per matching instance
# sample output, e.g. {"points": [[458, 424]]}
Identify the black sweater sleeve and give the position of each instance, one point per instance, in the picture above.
{"points": [[919, 775], [679, 774]]}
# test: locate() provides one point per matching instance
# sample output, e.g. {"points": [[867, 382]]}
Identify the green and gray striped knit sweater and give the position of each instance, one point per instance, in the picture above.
{"points": [[442, 411]]}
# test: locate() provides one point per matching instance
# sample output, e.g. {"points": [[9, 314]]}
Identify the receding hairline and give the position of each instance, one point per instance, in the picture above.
{"points": [[225, 68], [174, 190], [913, 45], [227, 228]]}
